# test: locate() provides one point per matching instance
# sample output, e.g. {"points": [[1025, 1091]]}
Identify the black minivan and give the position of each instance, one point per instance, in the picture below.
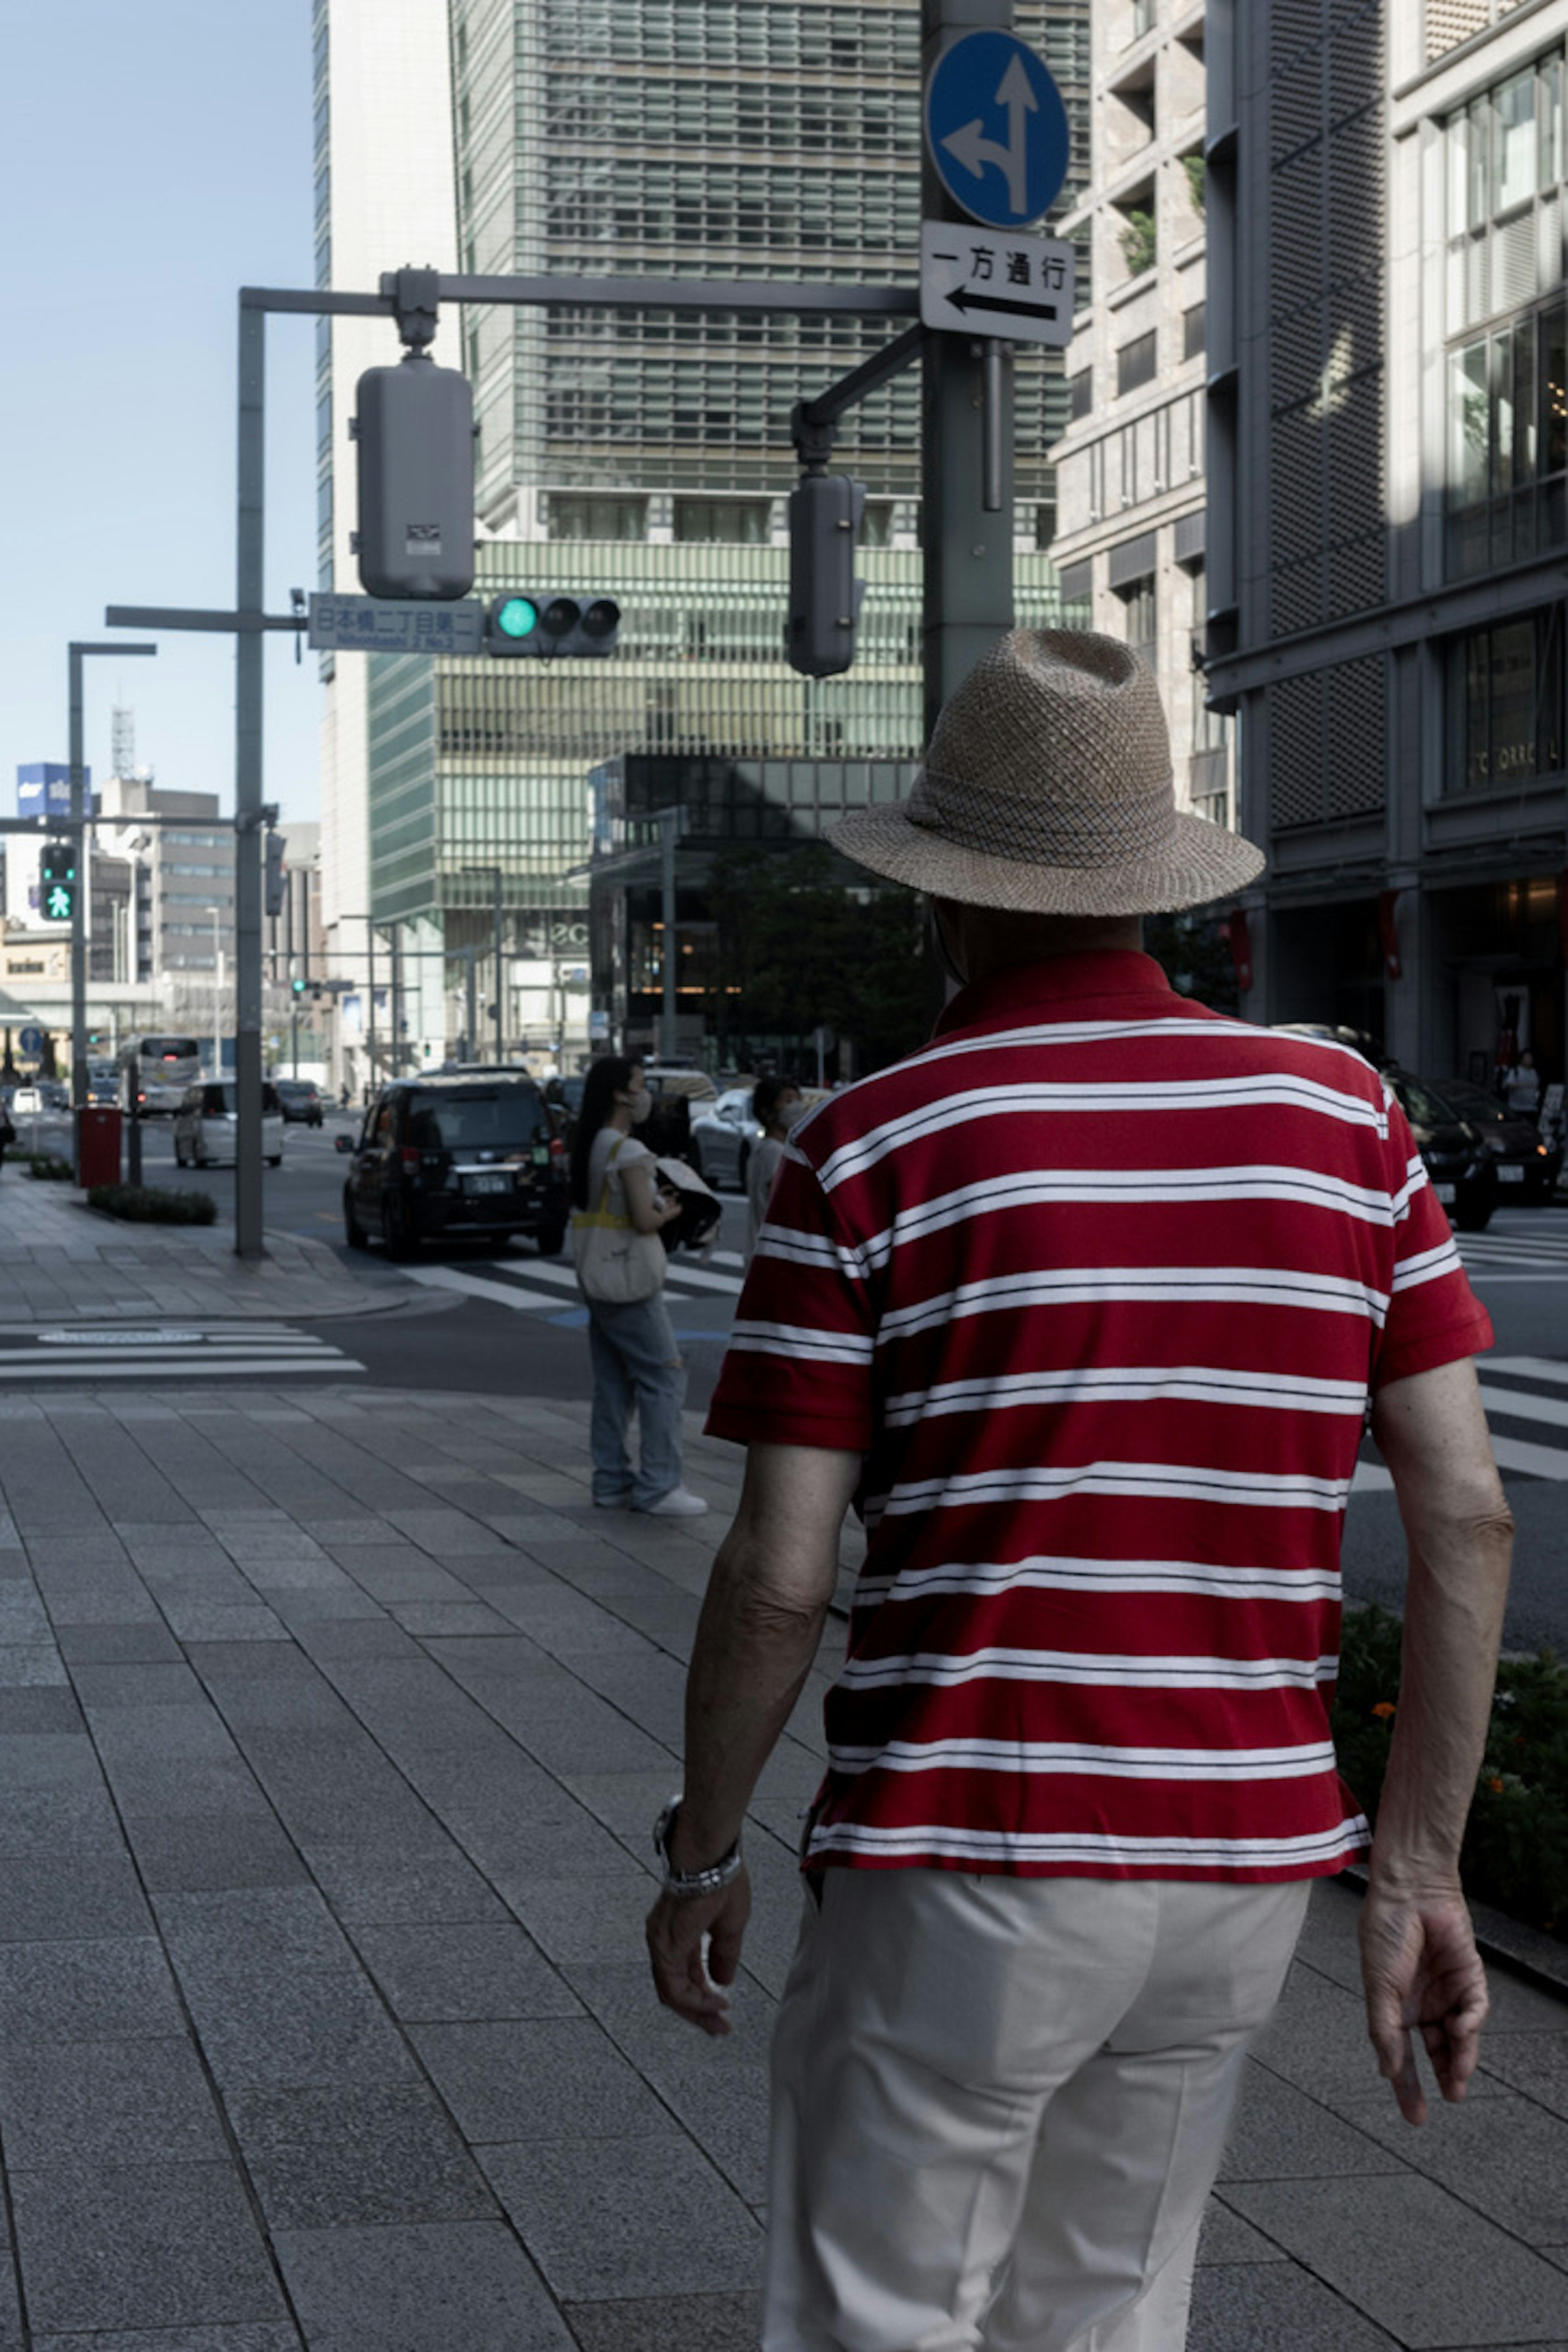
{"points": [[463, 1158]]}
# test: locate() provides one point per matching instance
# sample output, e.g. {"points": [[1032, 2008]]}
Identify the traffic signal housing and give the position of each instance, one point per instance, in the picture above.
{"points": [[57, 882], [825, 513], [274, 882], [416, 434], [543, 624]]}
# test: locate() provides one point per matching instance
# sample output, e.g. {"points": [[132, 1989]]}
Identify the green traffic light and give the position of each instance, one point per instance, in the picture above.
{"points": [[57, 903], [518, 617]]}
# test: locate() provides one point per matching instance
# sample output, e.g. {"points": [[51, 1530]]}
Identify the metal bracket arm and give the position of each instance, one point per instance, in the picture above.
{"points": [[812, 421]]}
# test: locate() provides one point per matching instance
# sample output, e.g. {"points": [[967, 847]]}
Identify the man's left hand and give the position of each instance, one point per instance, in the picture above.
{"points": [[677, 1926]]}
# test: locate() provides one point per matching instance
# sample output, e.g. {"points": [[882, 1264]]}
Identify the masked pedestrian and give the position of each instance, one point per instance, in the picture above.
{"points": [[619, 1212], [776, 1104], [1084, 1304]]}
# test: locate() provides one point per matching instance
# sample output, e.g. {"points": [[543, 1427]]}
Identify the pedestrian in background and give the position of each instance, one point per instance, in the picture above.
{"points": [[1083, 1304], [1522, 1087], [7, 1131], [776, 1106], [617, 1215]]}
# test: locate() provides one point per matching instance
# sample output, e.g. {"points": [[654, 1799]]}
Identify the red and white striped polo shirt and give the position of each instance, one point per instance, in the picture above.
{"points": [[1099, 1283]]}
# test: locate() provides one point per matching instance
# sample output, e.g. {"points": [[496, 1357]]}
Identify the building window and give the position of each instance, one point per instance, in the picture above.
{"points": [[1504, 157], [739, 522], [1143, 618], [1192, 331], [1081, 393], [1135, 364], [1505, 703], [1508, 443], [577, 515]]}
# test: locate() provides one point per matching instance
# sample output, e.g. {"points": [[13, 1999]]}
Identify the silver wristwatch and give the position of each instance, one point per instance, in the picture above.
{"points": [[681, 1882]]}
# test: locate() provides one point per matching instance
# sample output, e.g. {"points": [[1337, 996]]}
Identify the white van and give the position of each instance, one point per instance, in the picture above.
{"points": [[207, 1122]]}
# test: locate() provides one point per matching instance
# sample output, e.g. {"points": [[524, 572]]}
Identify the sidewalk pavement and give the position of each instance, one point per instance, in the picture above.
{"points": [[332, 1726]]}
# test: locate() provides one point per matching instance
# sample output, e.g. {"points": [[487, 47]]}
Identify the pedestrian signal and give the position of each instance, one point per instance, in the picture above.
{"points": [[57, 882]]}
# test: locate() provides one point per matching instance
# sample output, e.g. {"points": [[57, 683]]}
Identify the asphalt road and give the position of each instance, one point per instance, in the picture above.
{"points": [[464, 1320]]}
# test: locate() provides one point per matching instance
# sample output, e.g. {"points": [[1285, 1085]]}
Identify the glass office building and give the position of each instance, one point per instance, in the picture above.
{"points": [[646, 453]]}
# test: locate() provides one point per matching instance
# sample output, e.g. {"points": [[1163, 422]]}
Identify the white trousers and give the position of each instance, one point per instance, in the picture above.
{"points": [[999, 2105]]}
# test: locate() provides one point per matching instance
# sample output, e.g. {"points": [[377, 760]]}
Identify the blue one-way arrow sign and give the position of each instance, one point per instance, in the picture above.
{"points": [[997, 129]]}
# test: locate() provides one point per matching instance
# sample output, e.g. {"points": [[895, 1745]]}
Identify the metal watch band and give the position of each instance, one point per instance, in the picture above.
{"points": [[681, 1883]]}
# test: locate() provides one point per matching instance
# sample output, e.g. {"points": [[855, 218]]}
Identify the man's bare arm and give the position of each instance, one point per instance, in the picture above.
{"points": [[1419, 1963], [762, 1620]]}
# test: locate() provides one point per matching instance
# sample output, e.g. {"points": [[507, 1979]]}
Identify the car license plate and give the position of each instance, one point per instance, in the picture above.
{"points": [[487, 1183], [1511, 1175], [1444, 1193]]}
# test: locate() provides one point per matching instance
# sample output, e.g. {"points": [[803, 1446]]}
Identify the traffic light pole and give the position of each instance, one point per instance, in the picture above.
{"points": [[966, 441]]}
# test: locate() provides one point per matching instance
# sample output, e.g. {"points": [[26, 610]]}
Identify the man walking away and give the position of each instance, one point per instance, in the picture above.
{"points": [[1084, 1304]]}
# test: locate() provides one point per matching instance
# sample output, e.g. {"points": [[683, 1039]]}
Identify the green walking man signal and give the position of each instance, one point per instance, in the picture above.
{"points": [[57, 882]]}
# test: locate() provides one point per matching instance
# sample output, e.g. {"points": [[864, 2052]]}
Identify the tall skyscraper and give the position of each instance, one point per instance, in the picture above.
{"points": [[647, 453], [1389, 511]]}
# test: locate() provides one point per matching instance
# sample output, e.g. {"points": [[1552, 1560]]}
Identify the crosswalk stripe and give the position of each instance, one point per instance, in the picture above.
{"points": [[1531, 1368], [500, 1294], [127, 1366], [1541, 1461], [1521, 1406]]}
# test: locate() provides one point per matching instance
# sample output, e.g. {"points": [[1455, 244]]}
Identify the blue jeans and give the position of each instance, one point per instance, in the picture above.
{"points": [[636, 1363]]}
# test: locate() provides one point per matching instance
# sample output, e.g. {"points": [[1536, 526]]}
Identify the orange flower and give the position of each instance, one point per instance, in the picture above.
{"points": [[1495, 1785], [1385, 1708]]}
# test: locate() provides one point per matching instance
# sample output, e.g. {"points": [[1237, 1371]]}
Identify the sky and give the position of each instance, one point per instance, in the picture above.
{"points": [[155, 156]]}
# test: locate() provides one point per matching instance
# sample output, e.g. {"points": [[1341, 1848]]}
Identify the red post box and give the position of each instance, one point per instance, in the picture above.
{"points": [[98, 1144]]}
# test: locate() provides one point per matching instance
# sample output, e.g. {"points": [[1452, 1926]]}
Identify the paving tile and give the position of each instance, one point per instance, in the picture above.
{"points": [[330, 2159], [116, 1987], [38, 1707], [153, 2245], [1411, 2258], [149, 1640], [1274, 2307], [435, 2287], [1280, 2134], [137, 1684], [30, 1664], [1536, 2063], [107, 2103], [368, 1881], [48, 1759], [672, 2323], [640, 2214], [431, 1974], [62, 1897], [1507, 2156], [217, 1662], [537, 2079], [581, 1918], [259, 2337], [1225, 2237], [179, 1854]]}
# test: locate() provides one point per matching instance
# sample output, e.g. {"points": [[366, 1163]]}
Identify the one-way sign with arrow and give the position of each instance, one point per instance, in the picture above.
{"points": [[1016, 287], [997, 129]]}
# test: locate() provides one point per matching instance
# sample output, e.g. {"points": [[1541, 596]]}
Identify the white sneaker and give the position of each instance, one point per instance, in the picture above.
{"points": [[680, 1503]]}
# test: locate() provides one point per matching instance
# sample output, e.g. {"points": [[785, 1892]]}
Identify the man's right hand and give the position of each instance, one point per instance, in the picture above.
{"points": [[1422, 1973]]}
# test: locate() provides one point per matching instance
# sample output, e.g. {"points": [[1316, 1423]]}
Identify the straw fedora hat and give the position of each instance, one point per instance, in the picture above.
{"points": [[1047, 790]]}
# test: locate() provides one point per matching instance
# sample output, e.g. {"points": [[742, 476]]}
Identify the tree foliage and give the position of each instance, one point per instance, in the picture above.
{"points": [[800, 951]]}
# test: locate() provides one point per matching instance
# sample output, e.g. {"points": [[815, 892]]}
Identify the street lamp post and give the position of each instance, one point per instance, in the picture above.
{"points": [[218, 997], [494, 873]]}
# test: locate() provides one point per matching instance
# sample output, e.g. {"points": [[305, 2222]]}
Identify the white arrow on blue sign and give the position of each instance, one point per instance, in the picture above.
{"points": [[997, 129]]}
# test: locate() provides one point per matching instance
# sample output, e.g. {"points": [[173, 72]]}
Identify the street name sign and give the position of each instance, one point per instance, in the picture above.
{"points": [[381, 625], [997, 129], [1020, 287]]}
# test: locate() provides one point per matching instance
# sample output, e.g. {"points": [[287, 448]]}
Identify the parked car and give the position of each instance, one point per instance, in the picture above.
{"points": [[301, 1101], [471, 1157], [1463, 1173], [1526, 1167], [44, 1097], [206, 1125]]}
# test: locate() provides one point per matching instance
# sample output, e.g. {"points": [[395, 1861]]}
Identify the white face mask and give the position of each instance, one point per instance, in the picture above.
{"points": [[786, 1114], [638, 1102]]}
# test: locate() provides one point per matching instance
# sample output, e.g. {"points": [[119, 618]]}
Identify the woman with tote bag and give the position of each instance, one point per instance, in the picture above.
{"points": [[616, 1217]]}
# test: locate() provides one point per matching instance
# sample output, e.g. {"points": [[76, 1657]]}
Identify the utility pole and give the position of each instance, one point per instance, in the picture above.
{"points": [[496, 874], [966, 417]]}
